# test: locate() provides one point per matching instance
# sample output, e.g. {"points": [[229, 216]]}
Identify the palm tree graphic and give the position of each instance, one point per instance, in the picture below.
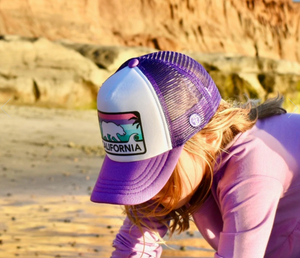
{"points": [[136, 120], [137, 123]]}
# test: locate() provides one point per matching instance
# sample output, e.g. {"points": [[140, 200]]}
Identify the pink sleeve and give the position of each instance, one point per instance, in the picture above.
{"points": [[248, 208], [248, 194], [129, 241]]}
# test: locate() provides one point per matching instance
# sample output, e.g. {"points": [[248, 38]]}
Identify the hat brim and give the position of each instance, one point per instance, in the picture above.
{"points": [[131, 183]]}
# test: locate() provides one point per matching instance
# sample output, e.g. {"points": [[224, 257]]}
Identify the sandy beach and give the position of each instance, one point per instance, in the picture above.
{"points": [[49, 161]]}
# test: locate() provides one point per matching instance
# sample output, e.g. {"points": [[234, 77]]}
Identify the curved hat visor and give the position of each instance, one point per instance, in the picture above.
{"points": [[131, 183]]}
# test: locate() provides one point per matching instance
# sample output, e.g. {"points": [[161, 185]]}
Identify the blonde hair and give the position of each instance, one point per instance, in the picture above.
{"points": [[230, 119]]}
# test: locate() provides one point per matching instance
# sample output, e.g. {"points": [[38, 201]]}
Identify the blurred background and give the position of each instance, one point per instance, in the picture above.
{"points": [[54, 56], [57, 53]]}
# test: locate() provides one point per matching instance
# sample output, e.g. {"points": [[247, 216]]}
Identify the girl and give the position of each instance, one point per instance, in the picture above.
{"points": [[176, 150]]}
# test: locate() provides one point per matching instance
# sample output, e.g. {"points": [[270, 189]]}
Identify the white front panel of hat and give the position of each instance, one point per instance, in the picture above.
{"points": [[132, 123]]}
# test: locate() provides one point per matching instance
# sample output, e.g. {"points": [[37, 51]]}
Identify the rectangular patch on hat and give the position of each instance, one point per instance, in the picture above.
{"points": [[122, 133]]}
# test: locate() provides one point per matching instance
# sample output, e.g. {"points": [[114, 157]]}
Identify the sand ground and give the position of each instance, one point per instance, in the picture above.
{"points": [[49, 161]]}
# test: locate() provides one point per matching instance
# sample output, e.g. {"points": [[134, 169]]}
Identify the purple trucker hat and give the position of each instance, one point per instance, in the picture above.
{"points": [[147, 110]]}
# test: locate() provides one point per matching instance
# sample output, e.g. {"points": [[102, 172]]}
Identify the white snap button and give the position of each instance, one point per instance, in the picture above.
{"points": [[195, 120]]}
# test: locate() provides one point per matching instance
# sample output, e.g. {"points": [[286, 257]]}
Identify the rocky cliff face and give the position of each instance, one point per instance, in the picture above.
{"points": [[242, 44], [264, 28], [40, 72]]}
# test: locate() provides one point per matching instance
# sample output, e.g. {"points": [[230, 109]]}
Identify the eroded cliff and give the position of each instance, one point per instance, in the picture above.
{"points": [[265, 28]]}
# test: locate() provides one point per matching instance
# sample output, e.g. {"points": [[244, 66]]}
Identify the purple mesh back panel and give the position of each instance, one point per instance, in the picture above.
{"points": [[184, 88]]}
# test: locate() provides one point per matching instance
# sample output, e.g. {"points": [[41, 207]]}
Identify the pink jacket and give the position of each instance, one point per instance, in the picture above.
{"points": [[254, 207]]}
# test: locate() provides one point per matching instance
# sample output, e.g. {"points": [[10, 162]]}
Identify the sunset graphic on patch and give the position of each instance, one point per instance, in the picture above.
{"points": [[122, 133]]}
